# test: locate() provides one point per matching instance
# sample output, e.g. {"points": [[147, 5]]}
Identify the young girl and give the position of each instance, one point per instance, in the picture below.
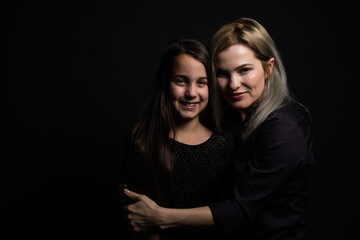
{"points": [[176, 156]]}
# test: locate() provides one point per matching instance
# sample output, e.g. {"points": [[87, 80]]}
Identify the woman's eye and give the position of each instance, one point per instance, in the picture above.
{"points": [[244, 70]]}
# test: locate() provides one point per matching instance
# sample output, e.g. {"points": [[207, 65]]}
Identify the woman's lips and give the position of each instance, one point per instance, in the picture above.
{"points": [[237, 95]]}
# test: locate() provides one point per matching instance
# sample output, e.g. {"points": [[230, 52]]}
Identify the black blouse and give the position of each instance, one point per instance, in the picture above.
{"points": [[269, 198], [200, 172], [201, 175]]}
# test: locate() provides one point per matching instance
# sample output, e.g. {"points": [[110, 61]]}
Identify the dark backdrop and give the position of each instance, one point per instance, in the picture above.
{"points": [[76, 74]]}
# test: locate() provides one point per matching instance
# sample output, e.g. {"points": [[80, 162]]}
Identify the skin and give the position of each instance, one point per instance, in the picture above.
{"points": [[241, 79], [189, 96], [145, 215], [188, 87]]}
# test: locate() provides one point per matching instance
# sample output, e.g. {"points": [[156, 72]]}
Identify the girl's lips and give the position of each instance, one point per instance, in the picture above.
{"points": [[189, 105]]}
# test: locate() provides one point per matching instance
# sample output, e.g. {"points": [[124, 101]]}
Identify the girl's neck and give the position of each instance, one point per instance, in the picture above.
{"points": [[191, 132]]}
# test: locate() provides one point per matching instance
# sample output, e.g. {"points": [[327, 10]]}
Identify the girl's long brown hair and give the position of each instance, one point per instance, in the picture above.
{"points": [[151, 157]]}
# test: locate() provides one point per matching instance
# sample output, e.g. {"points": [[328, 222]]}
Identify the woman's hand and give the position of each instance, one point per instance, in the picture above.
{"points": [[143, 215]]}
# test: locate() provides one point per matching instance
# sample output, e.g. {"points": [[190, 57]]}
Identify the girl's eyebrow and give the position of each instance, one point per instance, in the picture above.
{"points": [[178, 75], [184, 76]]}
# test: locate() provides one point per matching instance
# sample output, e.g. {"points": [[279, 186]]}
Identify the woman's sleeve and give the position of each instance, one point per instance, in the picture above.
{"points": [[271, 154]]}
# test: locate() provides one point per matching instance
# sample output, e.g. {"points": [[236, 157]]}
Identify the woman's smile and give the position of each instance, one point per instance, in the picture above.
{"points": [[238, 95]]}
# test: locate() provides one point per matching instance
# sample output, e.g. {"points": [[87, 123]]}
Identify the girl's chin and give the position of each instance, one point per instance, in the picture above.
{"points": [[187, 116]]}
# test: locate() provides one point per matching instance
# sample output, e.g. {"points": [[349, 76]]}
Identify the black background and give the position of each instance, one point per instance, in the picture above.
{"points": [[76, 74]]}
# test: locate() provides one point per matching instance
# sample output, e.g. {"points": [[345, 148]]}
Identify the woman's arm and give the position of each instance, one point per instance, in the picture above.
{"points": [[145, 215]]}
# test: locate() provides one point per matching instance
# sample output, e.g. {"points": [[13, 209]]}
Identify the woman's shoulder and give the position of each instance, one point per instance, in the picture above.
{"points": [[286, 121], [291, 113]]}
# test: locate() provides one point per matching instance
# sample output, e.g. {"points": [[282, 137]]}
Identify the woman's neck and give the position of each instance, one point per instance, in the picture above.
{"points": [[242, 115]]}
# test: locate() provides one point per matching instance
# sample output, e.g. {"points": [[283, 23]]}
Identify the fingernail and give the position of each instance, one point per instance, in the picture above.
{"points": [[126, 190]]}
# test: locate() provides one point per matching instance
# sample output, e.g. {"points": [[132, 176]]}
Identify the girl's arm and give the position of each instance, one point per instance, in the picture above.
{"points": [[145, 215]]}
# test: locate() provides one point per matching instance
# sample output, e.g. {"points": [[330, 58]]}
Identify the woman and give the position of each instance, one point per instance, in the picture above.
{"points": [[174, 147], [270, 134]]}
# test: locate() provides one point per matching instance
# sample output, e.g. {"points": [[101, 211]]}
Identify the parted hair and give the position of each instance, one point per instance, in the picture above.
{"points": [[251, 33]]}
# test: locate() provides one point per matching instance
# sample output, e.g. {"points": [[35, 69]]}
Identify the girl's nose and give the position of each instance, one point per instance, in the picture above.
{"points": [[190, 91]]}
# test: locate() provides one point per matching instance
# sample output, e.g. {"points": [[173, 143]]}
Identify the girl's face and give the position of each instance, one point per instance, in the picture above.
{"points": [[188, 87], [240, 76]]}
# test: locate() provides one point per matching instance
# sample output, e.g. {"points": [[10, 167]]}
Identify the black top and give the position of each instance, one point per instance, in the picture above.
{"points": [[200, 172], [201, 176], [269, 198]]}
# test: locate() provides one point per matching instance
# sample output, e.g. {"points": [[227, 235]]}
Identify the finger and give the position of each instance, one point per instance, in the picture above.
{"points": [[121, 187], [130, 217], [126, 209], [133, 226], [132, 195], [137, 227], [123, 196]]}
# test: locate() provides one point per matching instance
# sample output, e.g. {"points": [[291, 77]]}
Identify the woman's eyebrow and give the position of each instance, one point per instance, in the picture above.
{"points": [[243, 65], [235, 69]]}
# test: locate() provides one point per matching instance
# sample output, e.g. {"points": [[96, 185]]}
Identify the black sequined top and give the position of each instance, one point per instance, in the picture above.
{"points": [[199, 172], [202, 174]]}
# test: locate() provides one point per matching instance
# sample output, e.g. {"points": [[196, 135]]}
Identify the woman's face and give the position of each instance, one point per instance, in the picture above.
{"points": [[240, 76], [188, 87]]}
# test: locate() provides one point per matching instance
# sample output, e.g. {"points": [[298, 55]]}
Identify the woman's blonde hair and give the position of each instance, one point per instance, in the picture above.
{"points": [[249, 32]]}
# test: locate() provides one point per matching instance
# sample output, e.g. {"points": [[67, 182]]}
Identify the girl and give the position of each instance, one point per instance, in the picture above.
{"points": [[176, 156]]}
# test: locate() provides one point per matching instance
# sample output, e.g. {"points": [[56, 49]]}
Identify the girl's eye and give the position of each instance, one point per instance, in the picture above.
{"points": [[202, 82], [179, 81]]}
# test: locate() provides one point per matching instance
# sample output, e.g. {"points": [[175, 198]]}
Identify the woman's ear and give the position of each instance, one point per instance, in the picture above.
{"points": [[270, 66]]}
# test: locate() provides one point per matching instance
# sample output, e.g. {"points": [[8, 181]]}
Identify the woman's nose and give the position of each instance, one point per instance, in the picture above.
{"points": [[235, 82]]}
